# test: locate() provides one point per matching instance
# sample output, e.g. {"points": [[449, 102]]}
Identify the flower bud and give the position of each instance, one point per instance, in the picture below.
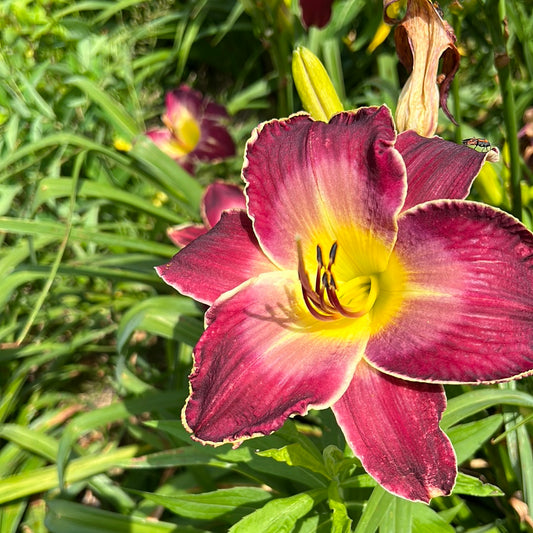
{"points": [[314, 86]]}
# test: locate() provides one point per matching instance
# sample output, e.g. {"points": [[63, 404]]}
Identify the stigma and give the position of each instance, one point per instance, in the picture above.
{"points": [[323, 300]]}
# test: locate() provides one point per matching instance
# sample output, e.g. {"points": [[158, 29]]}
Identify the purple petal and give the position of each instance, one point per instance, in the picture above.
{"points": [[437, 169], [262, 359], [215, 142], [466, 304], [220, 197], [314, 181], [184, 98], [167, 143], [392, 425], [185, 233], [217, 261]]}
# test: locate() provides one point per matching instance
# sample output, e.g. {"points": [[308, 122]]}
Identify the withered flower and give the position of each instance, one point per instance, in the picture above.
{"points": [[422, 38]]}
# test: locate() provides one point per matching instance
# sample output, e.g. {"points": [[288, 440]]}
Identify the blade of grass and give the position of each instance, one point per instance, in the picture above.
{"points": [[474, 401], [153, 401], [58, 187], [375, 510], [68, 517], [59, 256], [46, 478], [37, 227], [58, 140], [174, 179], [114, 112], [161, 315]]}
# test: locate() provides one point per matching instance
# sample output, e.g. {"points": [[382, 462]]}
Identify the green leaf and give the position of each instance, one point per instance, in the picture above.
{"points": [[398, 518], [229, 505], [46, 478], [167, 173], [117, 115], [474, 401], [10, 516], [60, 187], [296, 455], [172, 427], [121, 410], [14, 280], [280, 515], [188, 455], [57, 230], [172, 317], [377, 506], [31, 440], [59, 140], [474, 487], [425, 519], [68, 517], [7, 193], [340, 521], [468, 438]]}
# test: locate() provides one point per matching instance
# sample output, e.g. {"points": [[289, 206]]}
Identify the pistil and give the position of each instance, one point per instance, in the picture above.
{"points": [[325, 285]]}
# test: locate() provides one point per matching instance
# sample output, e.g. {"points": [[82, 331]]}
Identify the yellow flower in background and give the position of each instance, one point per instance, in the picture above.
{"points": [[384, 29]]}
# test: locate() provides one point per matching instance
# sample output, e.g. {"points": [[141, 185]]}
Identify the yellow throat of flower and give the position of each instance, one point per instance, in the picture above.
{"points": [[352, 294], [185, 132]]}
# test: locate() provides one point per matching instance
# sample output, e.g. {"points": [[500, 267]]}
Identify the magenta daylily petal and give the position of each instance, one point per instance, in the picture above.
{"points": [[392, 426], [165, 141], [262, 359], [183, 98], [215, 142], [437, 169], [467, 309], [220, 197], [293, 169], [184, 234], [218, 261]]}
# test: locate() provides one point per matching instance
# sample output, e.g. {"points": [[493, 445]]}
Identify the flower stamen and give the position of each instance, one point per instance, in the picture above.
{"points": [[362, 288]]}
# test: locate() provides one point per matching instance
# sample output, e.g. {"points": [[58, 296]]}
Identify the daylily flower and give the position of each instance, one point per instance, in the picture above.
{"points": [[218, 197], [358, 279], [422, 38], [194, 129], [315, 12]]}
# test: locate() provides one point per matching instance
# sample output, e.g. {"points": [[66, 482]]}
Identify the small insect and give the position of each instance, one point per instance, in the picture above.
{"points": [[480, 145]]}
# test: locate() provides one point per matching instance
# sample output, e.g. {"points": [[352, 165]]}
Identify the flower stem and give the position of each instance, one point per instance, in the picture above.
{"points": [[456, 24], [495, 12]]}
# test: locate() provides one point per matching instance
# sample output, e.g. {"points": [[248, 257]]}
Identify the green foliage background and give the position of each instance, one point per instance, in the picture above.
{"points": [[95, 349]]}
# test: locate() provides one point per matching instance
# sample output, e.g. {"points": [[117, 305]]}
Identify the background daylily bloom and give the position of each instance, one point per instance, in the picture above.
{"points": [[315, 12], [194, 129], [218, 197], [422, 38], [358, 279]]}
